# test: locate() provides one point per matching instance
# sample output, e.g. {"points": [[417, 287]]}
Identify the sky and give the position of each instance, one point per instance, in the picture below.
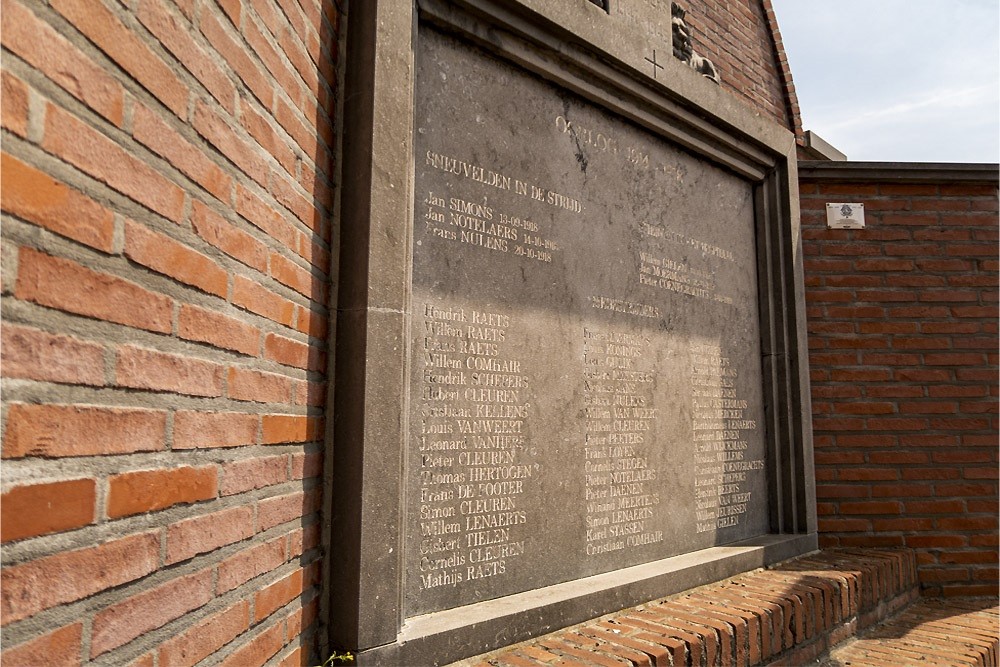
{"points": [[897, 80]]}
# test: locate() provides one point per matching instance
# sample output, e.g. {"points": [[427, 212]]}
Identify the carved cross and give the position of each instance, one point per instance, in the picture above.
{"points": [[654, 63]]}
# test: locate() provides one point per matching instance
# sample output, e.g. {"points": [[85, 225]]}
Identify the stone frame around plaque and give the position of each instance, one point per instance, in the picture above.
{"points": [[579, 47]]}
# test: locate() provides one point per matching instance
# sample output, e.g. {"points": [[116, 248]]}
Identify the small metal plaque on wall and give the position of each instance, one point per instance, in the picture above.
{"points": [[845, 216]]}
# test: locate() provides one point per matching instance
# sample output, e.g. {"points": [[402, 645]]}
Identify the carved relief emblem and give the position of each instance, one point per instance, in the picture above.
{"points": [[684, 46]]}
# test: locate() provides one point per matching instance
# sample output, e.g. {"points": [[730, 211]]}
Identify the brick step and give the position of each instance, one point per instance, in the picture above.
{"points": [[949, 633], [793, 612]]}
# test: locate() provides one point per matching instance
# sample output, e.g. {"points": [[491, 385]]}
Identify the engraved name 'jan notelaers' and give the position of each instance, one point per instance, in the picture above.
{"points": [[474, 460]]}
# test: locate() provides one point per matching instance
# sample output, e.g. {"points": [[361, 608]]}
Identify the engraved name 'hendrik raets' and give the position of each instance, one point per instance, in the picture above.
{"points": [[622, 502], [475, 460], [721, 430]]}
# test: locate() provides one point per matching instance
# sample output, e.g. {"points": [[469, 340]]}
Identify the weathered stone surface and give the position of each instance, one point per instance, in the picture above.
{"points": [[585, 375]]}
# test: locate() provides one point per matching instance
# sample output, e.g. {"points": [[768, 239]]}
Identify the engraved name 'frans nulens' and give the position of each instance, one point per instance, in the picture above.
{"points": [[619, 482], [474, 460], [721, 433]]}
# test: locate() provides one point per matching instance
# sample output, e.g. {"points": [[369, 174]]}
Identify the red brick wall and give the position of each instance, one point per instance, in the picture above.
{"points": [[903, 337], [743, 40], [165, 296]]}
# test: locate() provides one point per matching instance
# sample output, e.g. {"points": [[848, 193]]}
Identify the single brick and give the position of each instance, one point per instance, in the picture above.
{"points": [[33, 195], [251, 296], [289, 428], [79, 430], [286, 351], [214, 429], [49, 507], [65, 285], [255, 473], [303, 540], [36, 355], [228, 238], [305, 466], [190, 537], [14, 113], [251, 385], [208, 326], [317, 255], [935, 541], [292, 275], [150, 490], [140, 368], [967, 523], [312, 323], [261, 215], [172, 258], [281, 509]]}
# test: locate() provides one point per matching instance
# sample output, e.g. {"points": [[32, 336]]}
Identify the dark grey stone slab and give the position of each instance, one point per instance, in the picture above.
{"points": [[568, 369], [585, 376]]}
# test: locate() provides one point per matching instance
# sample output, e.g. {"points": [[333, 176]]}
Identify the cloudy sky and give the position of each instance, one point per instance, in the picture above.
{"points": [[898, 80]]}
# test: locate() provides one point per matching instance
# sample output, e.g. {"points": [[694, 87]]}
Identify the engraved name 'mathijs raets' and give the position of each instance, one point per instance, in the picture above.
{"points": [[584, 365]]}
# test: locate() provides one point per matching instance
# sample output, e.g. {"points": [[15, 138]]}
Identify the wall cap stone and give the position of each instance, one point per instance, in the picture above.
{"points": [[898, 172]]}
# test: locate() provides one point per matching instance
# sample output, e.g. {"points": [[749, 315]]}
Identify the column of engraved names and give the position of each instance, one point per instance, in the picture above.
{"points": [[720, 441], [474, 465], [618, 397]]}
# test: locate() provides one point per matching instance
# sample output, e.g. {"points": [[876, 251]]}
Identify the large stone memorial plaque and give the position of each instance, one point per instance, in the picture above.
{"points": [[569, 328], [585, 370]]}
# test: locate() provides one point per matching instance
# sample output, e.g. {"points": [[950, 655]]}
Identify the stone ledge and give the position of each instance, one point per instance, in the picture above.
{"points": [[796, 610]]}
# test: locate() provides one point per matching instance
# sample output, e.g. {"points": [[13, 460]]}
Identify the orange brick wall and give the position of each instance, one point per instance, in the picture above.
{"points": [[167, 243], [903, 338]]}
